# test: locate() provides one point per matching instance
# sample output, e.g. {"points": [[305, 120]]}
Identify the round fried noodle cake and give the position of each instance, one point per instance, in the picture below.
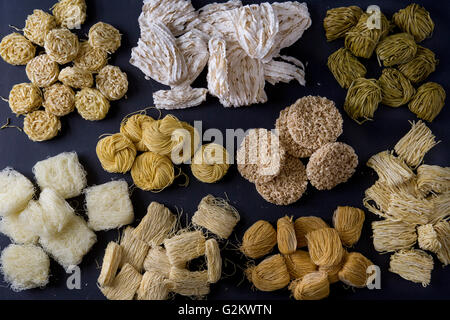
{"points": [[260, 156], [314, 121], [288, 187], [286, 141], [332, 164]]}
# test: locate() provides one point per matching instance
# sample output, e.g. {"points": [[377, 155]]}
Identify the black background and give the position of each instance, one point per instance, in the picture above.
{"points": [[80, 135]]}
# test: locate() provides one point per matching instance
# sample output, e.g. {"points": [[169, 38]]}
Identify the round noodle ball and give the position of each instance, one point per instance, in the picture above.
{"points": [[104, 36], [116, 153], [330, 165], [76, 78], [210, 163], [112, 82], [152, 172], [91, 104], [70, 13], [61, 45], [37, 25], [42, 71], [25, 98], [41, 125], [132, 128], [59, 99], [17, 50], [89, 58]]}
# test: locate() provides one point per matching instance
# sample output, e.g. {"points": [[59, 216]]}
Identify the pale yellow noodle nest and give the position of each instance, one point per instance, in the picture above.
{"points": [[59, 99], [91, 104], [131, 127], [41, 125], [152, 172], [116, 153], [210, 163], [76, 77], [38, 25], [70, 13], [104, 36], [42, 71], [89, 58], [112, 82], [61, 45], [25, 98], [15, 49]]}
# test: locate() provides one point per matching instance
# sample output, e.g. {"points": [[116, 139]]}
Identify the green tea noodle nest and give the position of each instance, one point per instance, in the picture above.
{"points": [[112, 82], [421, 66], [339, 21], [59, 99], [24, 98], [428, 101], [61, 45], [37, 25], [42, 71], [415, 20], [41, 125], [396, 89], [345, 67], [362, 100], [396, 49], [17, 50], [89, 58]]}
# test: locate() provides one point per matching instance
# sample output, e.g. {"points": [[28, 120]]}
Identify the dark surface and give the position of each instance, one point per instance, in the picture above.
{"points": [[79, 135]]}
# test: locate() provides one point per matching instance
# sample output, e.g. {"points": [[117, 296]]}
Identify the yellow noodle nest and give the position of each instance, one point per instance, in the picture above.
{"points": [[116, 153], [42, 71], [89, 58], [131, 127], [25, 98], [210, 163], [15, 49], [41, 125], [76, 78], [428, 101], [104, 36], [70, 14], [59, 99], [38, 25], [152, 172], [112, 82], [61, 45], [91, 104]]}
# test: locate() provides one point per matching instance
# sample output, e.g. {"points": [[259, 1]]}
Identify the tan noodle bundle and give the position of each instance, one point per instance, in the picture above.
{"points": [[415, 20], [112, 82], [313, 286], [76, 78], [443, 232], [131, 127], [396, 89], [389, 236], [188, 283], [396, 49], [214, 260], [332, 272], [157, 261], [354, 270], [390, 169], [61, 45], [134, 250], [210, 163], [413, 265], [363, 97], [217, 216], [270, 274], [325, 247], [299, 264], [441, 205], [259, 239], [433, 179], [184, 247], [345, 67], [157, 135], [104, 36], [153, 287], [348, 222], [339, 21], [17, 50], [286, 238], [37, 25], [427, 238], [152, 172], [304, 225], [59, 99], [42, 71], [428, 101], [408, 208], [89, 58], [70, 13], [91, 104], [41, 125], [111, 261], [24, 98], [116, 153], [421, 66], [377, 198], [125, 284]]}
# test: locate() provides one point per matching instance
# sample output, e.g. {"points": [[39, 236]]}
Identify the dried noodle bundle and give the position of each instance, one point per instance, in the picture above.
{"points": [[59, 99], [363, 97], [210, 163], [332, 272], [304, 225], [188, 283], [153, 287], [396, 49], [91, 104], [70, 13], [433, 179], [112, 82], [152, 172], [270, 274], [125, 284], [325, 247], [116, 153], [259, 240], [111, 261], [415, 20], [15, 49], [421, 66], [345, 67], [132, 128], [42, 71], [408, 208], [184, 247], [313, 286], [443, 232], [37, 25], [280, 71], [396, 89], [286, 238], [24, 98], [348, 222], [89, 58], [413, 265], [390, 169], [214, 260], [354, 270], [41, 125], [104, 36], [427, 238], [179, 98], [134, 250], [339, 21], [76, 77], [428, 101], [389, 236], [299, 264], [157, 261], [61, 45]]}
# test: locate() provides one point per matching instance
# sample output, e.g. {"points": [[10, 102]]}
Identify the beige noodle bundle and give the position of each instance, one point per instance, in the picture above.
{"points": [[443, 232], [152, 172], [91, 104], [434, 179], [286, 238], [339, 21], [363, 97], [408, 208], [157, 135], [153, 287], [389, 236], [112, 82], [396, 49], [413, 265], [299, 264], [271, 274], [132, 128], [59, 99], [61, 45], [76, 78], [210, 163], [41, 125], [421, 66], [125, 285], [134, 250], [354, 270], [185, 247], [157, 261], [304, 225], [111, 261], [17, 50], [116, 153], [104, 36], [313, 286], [70, 13], [214, 260], [42, 71], [415, 20], [427, 238], [441, 205], [325, 247], [24, 98], [348, 222], [396, 89], [332, 272], [428, 101], [188, 283], [216, 215], [413, 147], [345, 67], [377, 198], [89, 58], [259, 240], [390, 169], [37, 25]]}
